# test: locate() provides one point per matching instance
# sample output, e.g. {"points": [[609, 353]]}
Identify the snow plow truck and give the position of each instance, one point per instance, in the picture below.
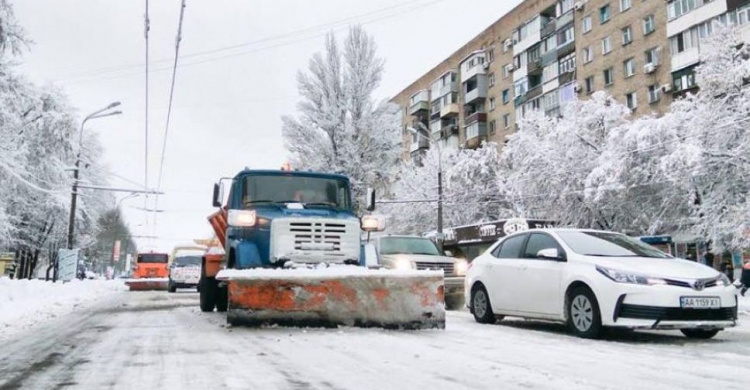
{"points": [[294, 255]]}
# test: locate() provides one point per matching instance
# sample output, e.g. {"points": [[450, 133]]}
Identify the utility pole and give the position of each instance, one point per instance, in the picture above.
{"points": [[439, 179]]}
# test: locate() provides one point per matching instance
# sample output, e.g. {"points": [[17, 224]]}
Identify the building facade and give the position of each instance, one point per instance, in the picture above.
{"points": [[545, 53]]}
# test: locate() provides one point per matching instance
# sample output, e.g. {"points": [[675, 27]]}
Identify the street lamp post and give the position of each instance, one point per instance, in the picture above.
{"points": [[439, 178], [73, 198]]}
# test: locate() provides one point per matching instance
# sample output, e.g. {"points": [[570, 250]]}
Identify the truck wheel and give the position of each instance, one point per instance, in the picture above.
{"points": [[454, 302], [208, 293], [171, 288], [222, 298]]}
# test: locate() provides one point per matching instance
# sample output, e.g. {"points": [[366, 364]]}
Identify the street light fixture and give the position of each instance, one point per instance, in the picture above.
{"points": [[439, 177], [71, 222]]}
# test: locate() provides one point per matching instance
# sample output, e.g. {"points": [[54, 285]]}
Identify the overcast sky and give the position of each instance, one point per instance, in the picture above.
{"points": [[227, 103]]}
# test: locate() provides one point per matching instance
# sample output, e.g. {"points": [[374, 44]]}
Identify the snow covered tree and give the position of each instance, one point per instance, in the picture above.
{"points": [[341, 128], [710, 160]]}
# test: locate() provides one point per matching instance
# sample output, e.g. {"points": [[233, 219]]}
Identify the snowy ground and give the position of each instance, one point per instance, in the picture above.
{"points": [[158, 340], [24, 303]]}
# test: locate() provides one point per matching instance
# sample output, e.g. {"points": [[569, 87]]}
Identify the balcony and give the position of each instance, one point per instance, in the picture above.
{"points": [[475, 133], [419, 143], [549, 28], [449, 111], [439, 89], [435, 110], [535, 67], [419, 102], [448, 131], [566, 77], [480, 117], [534, 92], [549, 57], [563, 20], [519, 100], [566, 49]]}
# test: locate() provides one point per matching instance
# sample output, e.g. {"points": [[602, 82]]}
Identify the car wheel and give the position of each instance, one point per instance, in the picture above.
{"points": [[171, 288], [584, 318], [481, 307], [703, 334]]}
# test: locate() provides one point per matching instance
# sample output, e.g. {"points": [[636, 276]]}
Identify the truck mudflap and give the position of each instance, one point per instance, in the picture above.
{"points": [[147, 284], [365, 298]]}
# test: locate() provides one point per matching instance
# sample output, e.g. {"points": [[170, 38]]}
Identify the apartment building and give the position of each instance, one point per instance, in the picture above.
{"points": [[540, 56], [688, 22]]}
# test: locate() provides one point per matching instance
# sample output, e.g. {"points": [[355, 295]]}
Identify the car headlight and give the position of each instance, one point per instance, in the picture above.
{"points": [[403, 263], [461, 267], [241, 218], [629, 277]]}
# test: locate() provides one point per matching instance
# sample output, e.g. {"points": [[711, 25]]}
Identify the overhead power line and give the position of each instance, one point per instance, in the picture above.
{"points": [[286, 39]]}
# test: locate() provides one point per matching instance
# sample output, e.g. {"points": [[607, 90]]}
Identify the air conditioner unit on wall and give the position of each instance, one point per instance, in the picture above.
{"points": [[577, 88], [649, 68], [580, 5], [511, 67], [666, 88]]}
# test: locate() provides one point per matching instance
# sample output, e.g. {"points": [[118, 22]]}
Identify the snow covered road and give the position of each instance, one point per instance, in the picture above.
{"points": [[159, 340]]}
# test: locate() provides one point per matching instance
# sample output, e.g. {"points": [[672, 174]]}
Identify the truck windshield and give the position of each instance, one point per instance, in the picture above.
{"points": [[408, 245], [153, 258], [312, 191], [184, 261]]}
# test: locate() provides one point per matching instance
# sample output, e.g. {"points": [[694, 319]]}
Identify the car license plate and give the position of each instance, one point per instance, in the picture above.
{"points": [[700, 302]]}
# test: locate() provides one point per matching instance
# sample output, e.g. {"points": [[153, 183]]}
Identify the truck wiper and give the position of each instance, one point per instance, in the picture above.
{"points": [[329, 204], [251, 202]]}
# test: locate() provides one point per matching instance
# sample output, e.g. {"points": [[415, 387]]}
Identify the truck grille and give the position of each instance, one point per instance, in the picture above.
{"points": [[446, 267], [323, 235]]}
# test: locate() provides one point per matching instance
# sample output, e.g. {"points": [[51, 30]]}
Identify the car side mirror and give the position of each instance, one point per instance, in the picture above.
{"points": [[550, 253], [370, 199], [449, 253], [218, 194]]}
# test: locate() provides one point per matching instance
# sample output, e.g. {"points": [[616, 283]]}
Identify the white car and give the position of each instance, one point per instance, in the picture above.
{"points": [[593, 280]]}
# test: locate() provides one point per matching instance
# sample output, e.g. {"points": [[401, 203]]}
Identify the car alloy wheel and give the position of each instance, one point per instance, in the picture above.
{"points": [[480, 303], [481, 306], [582, 313]]}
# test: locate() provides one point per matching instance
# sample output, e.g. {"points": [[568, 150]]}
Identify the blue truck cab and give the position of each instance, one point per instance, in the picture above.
{"points": [[277, 217]]}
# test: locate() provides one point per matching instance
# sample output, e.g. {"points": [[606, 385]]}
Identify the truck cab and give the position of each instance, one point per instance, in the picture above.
{"points": [[277, 217]]}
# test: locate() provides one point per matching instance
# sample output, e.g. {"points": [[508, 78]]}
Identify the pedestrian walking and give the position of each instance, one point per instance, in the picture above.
{"points": [[745, 277]]}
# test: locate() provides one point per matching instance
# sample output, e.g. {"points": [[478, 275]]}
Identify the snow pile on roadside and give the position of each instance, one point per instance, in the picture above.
{"points": [[24, 303], [321, 272]]}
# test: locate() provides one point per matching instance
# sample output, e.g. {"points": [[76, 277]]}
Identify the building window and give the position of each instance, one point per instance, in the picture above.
{"points": [[550, 72], [506, 121], [586, 24], [564, 6], [627, 35], [684, 40], [684, 79], [608, 77], [625, 5], [566, 36], [490, 55], [653, 93], [506, 96], [521, 87], [631, 100], [492, 127], [629, 67], [648, 25], [492, 104], [604, 14], [568, 63], [652, 56], [678, 8], [588, 54], [589, 84], [606, 45], [491, 78], [506, 70]]}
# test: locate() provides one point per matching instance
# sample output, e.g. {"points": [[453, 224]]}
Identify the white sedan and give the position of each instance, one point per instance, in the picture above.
{"points": [[592, 280]]}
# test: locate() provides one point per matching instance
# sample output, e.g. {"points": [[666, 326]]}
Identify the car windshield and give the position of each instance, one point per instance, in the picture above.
{"points": [[408, 245], [153, 258], [312, 191], [608, 245], [184, 261]]}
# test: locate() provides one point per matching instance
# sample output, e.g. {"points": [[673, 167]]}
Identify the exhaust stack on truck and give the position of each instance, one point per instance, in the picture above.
{"points": [[293, 255]]}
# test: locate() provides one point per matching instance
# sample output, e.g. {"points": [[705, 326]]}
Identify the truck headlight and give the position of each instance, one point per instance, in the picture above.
{"points": [[241, 218], [629, 277], [461, 267], [403, 263]]}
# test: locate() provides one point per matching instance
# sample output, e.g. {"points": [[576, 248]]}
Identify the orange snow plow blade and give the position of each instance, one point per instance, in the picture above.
{"points": [[376, 299], [147, 284]]}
